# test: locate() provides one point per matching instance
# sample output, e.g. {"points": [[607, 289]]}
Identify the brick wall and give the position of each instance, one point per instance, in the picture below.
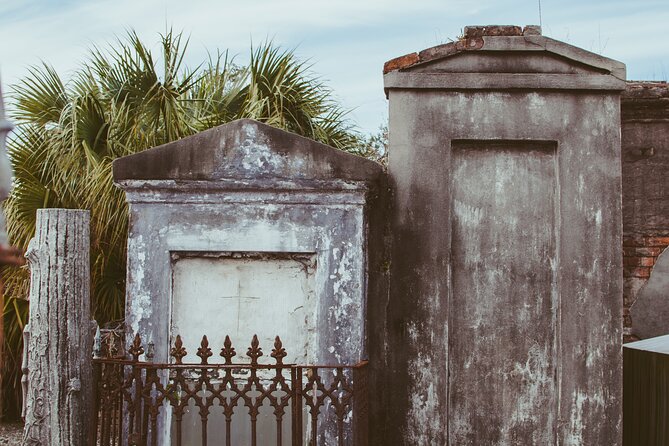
{"points": [[639, 256], [645, 168]]}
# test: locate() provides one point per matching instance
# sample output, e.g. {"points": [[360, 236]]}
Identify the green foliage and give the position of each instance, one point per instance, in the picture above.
{"points": [[375, 146], [122, 101]]}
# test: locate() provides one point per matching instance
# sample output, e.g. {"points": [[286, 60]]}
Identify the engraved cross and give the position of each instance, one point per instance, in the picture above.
{"points": [[241, 299]]}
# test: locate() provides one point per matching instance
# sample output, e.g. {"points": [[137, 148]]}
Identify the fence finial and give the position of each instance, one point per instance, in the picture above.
{"points": [[228, 351], [204, 352], [178, 351], [254, 352], [136, 349], [278, 352]]}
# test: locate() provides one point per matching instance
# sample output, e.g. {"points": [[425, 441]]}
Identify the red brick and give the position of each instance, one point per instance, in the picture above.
{"points": [[646, 261], [440, 51], [633, 240], [627, 320], [638, 261], [656, 241], [636, 271], [401, 62], [637, 251], [630, 338]]}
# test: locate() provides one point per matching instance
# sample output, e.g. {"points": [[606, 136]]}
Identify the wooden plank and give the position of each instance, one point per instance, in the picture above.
{"points": [[59, 406]]}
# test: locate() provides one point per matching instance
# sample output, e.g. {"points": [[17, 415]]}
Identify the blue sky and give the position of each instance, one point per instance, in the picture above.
{"points": [[346, 40]]}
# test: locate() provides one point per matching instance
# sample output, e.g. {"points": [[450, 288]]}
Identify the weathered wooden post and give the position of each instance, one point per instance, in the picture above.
{"points": [[59, 403]]}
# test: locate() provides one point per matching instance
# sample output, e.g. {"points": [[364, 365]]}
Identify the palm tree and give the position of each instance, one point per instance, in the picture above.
{"points": [[123, 101]]}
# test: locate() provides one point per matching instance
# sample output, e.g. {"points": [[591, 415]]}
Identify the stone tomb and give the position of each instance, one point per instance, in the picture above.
{"points": [[505, 288], [245, 229]]}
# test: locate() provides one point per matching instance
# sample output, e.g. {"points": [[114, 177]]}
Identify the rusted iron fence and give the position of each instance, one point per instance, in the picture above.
{"points": [[226, 403]]}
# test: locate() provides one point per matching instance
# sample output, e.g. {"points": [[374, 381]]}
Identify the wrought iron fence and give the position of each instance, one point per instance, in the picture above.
{"points": [[146, 403]]}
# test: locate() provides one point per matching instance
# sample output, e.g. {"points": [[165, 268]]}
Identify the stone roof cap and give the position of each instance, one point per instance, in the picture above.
{"points": [[245, 149], [505, 38], [645, 101], [646, 90]]}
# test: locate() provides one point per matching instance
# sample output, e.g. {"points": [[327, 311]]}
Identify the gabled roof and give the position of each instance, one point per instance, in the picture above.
{"points": [[517, 56], [245, 149]]}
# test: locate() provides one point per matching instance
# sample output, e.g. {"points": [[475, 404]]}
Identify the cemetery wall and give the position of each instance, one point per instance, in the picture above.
{"points": [[645, 168], [505, 288]]}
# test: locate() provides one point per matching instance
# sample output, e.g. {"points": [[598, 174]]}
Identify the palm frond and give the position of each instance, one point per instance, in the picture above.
{"points": [[40, 97], [124, 100]]}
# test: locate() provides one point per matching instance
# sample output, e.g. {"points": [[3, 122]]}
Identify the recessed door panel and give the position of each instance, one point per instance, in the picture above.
{"points": [[503, 303]]}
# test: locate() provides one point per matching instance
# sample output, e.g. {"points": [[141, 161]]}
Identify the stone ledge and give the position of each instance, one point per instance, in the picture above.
{"points": [[645, 101], [501, 81], [646, 90]]}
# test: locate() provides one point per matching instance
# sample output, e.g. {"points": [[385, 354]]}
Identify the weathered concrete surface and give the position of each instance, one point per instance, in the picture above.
{"points": [[502, 189], [247, 187], [247, 190], [233, 291], [504, 317], [504, 39], [245, 149]]}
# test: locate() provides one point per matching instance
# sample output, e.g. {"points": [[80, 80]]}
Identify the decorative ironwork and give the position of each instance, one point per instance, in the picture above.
{"points": [[254, 352], [136, 350], [146, 403], [178, 351], [278, 352], [204, 352], [228, 351]]}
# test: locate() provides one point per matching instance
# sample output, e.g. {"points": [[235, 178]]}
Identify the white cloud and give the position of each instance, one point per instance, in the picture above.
{"points": [[347, 40]]}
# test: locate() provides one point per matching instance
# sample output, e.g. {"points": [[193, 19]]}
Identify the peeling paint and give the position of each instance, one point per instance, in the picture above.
{"points": [[213, 224], [582, 403], [525, 312]]}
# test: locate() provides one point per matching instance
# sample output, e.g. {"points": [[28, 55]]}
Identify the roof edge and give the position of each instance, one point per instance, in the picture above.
{"points": [[226, 151], [505, 38]]}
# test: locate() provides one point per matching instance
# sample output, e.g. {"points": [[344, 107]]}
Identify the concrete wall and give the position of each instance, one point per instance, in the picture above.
{"points": [[645, 148], [504, 304], [331, 230]]}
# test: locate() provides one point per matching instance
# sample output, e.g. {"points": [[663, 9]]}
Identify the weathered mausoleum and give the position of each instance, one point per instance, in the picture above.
{"points": [[505, 283], [247, 230]]}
